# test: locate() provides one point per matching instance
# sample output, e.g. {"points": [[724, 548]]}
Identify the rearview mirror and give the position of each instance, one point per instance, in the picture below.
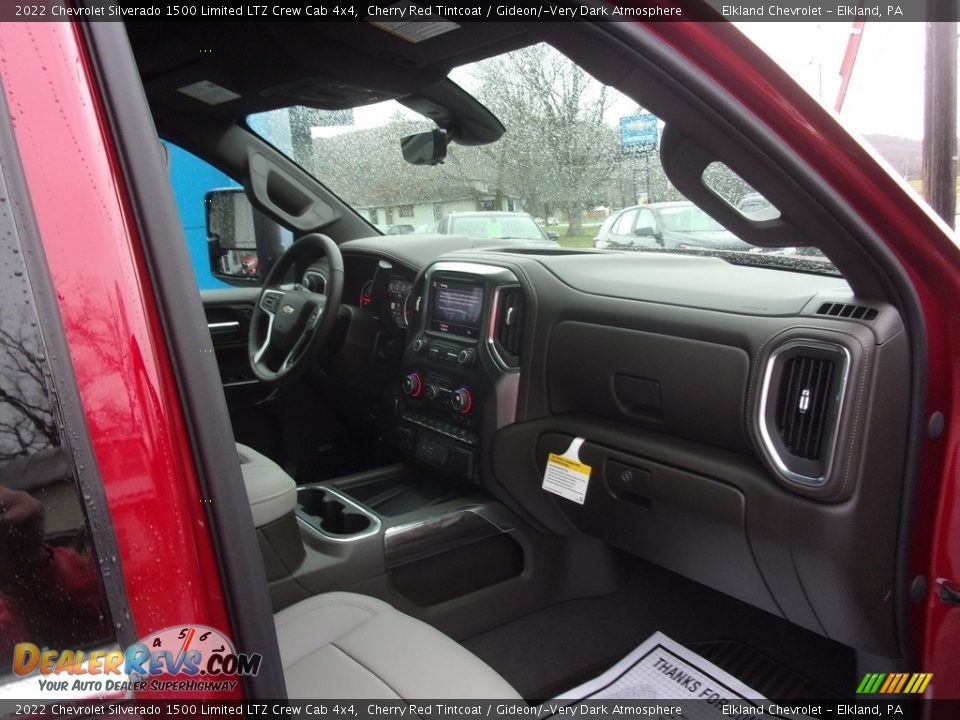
{"points": [[426, 148], [231, 238]]}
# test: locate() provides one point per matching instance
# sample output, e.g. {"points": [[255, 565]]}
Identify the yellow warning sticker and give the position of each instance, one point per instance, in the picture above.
{"points": [[567, 478]]}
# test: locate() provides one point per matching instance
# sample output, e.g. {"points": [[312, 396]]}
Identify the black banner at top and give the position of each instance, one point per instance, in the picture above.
{"points": [[424, 11]]}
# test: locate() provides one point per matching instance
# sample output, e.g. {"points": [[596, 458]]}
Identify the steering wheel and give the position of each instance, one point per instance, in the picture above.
{"points": [[291, 324]]}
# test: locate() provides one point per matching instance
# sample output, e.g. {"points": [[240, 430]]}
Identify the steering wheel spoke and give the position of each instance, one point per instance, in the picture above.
{"points": [[319, 307]]}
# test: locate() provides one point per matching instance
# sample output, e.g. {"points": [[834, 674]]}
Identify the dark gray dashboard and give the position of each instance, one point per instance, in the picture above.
{"points": [[692, 281], [693, 375]]}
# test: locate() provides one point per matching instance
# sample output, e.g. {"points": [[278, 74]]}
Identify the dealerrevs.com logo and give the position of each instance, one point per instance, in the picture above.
{"points": [[190, 658]]}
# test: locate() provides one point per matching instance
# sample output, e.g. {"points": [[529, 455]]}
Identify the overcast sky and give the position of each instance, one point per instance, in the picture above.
{"points": [[886, 91]]}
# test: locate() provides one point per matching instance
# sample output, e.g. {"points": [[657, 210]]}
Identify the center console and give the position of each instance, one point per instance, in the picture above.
{"points": [[461, 366]]}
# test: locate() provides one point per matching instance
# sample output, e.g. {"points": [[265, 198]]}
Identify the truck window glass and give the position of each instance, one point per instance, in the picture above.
{"points": [[51, 590], [192, 178]]}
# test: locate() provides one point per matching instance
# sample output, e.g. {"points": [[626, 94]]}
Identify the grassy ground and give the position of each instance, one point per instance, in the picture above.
{"points": [[918, 185], [585, 239]]}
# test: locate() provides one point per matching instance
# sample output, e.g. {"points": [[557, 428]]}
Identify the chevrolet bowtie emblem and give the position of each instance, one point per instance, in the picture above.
{"points": [[287, 309]]}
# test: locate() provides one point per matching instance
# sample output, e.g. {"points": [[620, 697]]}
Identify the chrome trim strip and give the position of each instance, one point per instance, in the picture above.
{"points": [[223, 325], [481, 511], [431, 536], [470, 268], [492, 330], [766, 433], [270, 317], [375, 523], [316, 274], [266, 340], [241, 383]]}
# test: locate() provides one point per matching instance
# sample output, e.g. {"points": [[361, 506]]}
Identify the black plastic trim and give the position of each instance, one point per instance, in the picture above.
{"points": [[65, 392], [181, 311]]}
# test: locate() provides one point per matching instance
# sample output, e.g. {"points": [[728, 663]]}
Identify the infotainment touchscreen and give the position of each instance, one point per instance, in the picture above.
{"points": [[456, 307]]}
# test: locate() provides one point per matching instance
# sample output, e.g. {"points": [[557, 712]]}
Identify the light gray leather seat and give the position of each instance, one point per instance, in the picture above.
{"points": [[271, 492], [342, 645]]}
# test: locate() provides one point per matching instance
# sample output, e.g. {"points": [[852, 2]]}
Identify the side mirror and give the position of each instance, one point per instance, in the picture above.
{"points": [[553, 236], [426, 148], [646, 232], [231, 236]]}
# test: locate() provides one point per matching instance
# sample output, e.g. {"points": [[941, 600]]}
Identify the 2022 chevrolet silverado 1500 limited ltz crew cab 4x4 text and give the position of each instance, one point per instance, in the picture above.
{"points": [[414, 412]]}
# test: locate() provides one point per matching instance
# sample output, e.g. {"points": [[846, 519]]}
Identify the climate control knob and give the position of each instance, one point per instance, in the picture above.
{"points": [[412, 385], [467, 357], [432, 391], [461, 400]]}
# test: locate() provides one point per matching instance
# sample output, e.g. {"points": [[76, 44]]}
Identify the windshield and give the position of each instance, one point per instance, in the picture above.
{"points": [[578, 162], [687, 219]]}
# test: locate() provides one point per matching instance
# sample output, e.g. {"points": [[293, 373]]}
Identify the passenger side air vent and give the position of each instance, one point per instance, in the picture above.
{"points": [[803, 404], [846, 310], [508, 324], [802, 397]]}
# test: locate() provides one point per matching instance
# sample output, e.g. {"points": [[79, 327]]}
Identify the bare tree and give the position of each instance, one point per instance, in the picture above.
{"points": [[558, 149], [558, 152], [27, 421]]}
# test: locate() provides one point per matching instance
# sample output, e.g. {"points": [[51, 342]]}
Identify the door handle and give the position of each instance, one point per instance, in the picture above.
{"points": [[948, 594], [224, 329]]}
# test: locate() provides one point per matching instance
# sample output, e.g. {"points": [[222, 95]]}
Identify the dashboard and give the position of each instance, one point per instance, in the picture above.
{"points": [[744, 426]]}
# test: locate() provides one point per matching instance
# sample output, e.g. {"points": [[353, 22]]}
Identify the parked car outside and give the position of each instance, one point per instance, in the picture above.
{"points": [[668, 225], [496, 225]]}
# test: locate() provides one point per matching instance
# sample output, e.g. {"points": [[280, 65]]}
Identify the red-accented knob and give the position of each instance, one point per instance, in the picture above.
{"points": [[412, 385], [461, 400]]}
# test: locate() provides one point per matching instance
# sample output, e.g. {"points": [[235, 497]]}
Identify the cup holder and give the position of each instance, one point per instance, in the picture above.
{"points": [[334, 515]]}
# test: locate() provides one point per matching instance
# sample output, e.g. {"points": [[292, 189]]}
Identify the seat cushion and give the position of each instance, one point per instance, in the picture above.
{"points": [[271, 492], [342, 645]]}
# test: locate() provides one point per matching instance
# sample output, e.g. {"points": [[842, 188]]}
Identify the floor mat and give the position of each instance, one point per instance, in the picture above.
{"points": [[561, 646], [760, 671]]}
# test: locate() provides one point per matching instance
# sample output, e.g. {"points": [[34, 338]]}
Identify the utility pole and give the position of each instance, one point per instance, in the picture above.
{"points": [[940, 115]]}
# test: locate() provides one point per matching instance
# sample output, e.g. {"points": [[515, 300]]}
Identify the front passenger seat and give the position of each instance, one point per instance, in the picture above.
{"points": [[341, 645]]}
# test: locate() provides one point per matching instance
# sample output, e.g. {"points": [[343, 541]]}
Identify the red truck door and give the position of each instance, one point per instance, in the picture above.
{"points": [[168, 534]]}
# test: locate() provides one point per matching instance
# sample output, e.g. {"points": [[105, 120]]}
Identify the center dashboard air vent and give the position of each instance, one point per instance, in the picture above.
{"points": [[507, 327], [800, 408]]}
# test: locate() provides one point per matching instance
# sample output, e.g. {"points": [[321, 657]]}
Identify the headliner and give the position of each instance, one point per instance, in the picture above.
{"points": [[330, 65]]}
